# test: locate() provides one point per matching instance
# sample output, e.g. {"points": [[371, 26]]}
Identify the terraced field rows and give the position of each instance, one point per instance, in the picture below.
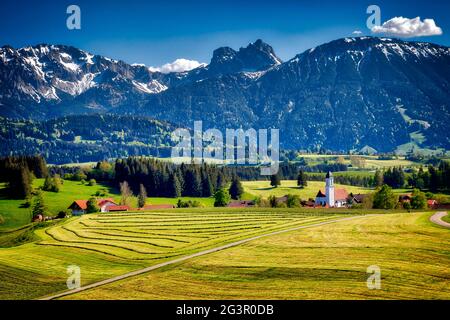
{"points": [[108, 245], [162, 235]]}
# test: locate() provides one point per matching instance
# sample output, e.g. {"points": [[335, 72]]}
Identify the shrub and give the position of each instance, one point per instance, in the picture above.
{"points": [[222, 198], [293, 201], [273, 201], [92, 206], [418, 200], [52, 184], [384, 198], [407, 206], [261, 202], [79, 176], [62, 214], [188, 204], [92, 182]]}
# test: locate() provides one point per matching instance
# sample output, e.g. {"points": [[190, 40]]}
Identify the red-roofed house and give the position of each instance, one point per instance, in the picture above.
{"points": [[331, 197], [114, 208], [432, 204], [79, 207]]}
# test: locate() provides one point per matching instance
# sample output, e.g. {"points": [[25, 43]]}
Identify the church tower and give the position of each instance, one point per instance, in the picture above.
{"points": [[329, 189]]}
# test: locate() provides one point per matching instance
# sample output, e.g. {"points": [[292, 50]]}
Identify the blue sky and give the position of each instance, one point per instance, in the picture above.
{"points": [[157, 32]]}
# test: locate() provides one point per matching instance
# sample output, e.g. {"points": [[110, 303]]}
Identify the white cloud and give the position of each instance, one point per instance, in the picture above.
{"points": [[407, 28], [178, 65], [357, 32]]}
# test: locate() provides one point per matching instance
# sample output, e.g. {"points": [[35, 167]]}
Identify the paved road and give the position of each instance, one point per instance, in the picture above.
{"points": [[437, 218], [202, 253]]}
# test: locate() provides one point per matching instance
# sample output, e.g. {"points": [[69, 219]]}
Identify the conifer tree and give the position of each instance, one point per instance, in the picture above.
{"points": [[39, 206], [142, 197], [236, 190], [301, 179]]}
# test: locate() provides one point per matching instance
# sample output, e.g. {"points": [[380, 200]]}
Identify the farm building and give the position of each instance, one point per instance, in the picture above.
{"points": [[118, 208], [405, 198], [79, 207], [331, 197], [357, 198], [432, 204]]}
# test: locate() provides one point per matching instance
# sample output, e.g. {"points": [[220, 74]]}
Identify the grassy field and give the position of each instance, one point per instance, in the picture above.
{"points": [[263, 188], [15, 215], [205, 202], [106, 245], [326, 262], [372, 162], [446, 218]]}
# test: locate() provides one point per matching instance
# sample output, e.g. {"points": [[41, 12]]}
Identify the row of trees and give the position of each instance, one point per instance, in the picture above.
{"points": [[385, 198], [19, 172], [434, 179], [168, 180]]}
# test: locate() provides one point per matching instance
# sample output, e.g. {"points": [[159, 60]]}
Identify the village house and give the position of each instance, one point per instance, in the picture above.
{"points": [[79, 207], [331, 197], [357, 198], [432, 204], [405, 198], [117, 208]]}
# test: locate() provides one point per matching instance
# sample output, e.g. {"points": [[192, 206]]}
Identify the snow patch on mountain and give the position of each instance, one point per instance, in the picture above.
{"points": [[151, 88]]}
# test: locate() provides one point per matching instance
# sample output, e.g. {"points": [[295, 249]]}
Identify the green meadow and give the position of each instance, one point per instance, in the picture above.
{"points": [[325, 262], [106, 245], [14, 214], [371, 162], [264, 189], [322, 262]]}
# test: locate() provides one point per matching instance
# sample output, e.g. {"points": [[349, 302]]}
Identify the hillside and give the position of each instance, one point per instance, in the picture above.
{"points": [[85, 138], [348, 94]]}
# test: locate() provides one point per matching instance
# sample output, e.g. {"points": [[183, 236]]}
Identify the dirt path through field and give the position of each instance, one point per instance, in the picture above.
{"points": [[437, 218]]}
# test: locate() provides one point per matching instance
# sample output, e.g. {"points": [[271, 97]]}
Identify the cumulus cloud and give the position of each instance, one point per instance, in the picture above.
{"points": [[179, 65], [357, 32], [408, 28]]}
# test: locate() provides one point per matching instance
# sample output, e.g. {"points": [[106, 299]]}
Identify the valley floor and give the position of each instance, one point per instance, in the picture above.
{"points": [[327, 262], [318, 262], [108, 245]]}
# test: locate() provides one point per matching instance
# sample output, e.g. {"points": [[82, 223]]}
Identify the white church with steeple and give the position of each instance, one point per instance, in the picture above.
{"points": [[331, 197]]}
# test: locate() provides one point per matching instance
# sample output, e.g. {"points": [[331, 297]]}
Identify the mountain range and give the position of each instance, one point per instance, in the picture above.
{"points": [[348, 94]]}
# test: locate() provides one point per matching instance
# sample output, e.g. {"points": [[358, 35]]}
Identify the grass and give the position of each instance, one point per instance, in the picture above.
{"points": [[15, 215], [263, 188], [205, 202], [380, 164], [372, 162], [326, 262], [105, 245], [446, 218]]}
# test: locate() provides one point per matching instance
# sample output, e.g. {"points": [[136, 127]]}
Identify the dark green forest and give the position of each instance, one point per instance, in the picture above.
{"points": [[85, 138]]}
